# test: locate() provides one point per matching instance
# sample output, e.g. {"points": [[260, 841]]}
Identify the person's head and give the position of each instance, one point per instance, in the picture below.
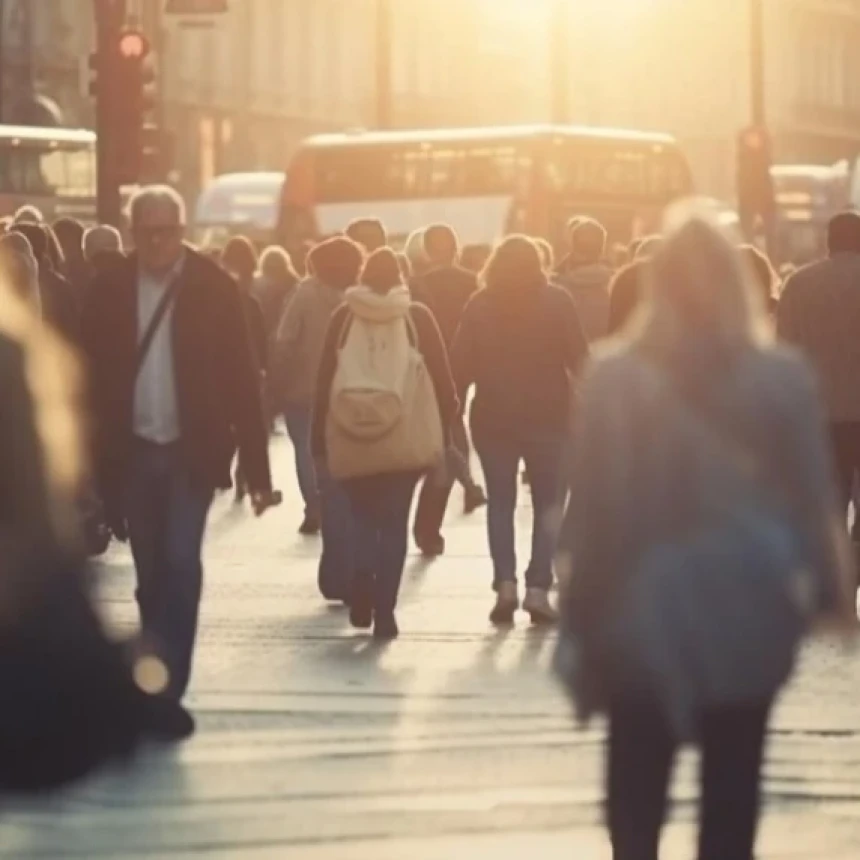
{"points": [[19, 268], [699, 294], [70, 235], [474, 257], [514, 264], [381, 272], [647, 247], [275, 265], [367, 232], [99, 240], [336, 262], [35, 235], [762, 271], [28, 214], [547, 256], [240, 259], [157, 218], [843, 234], [441, 245], [587, 241], [416, 253]]}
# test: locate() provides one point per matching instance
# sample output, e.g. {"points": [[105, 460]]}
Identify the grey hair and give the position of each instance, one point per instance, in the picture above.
{"points": [[104, 237], [155, 195], [414, 249]]}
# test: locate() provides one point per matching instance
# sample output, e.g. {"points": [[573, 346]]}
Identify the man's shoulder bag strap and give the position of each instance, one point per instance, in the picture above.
{"points": [[155, 323]]}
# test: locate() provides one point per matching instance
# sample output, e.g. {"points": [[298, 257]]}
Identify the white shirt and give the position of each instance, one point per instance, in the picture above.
{"points": [[156, 413]]}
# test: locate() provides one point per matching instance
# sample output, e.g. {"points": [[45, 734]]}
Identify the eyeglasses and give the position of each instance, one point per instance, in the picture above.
{"points": [[158, 232]]}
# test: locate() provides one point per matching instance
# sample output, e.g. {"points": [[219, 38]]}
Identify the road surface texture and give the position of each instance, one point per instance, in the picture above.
{"points": [[453, 742]]}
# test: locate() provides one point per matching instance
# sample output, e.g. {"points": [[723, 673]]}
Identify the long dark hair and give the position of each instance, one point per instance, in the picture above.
{"points": [[515, 264]]}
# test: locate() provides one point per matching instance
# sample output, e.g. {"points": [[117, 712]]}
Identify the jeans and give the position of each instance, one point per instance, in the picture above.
{"points": [[297, 417], [166, 513], [640, 755], [380, 507], [500, 457], [337, 562]]}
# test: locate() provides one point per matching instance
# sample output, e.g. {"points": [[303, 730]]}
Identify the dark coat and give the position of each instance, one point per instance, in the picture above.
{"points": [[217, 385], [256, 330], [520, 347], [446, 291], [60, 306]]}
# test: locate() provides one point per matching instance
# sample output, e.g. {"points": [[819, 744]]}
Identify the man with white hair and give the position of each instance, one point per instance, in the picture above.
{"points": [[174, 389], [99, 240]]}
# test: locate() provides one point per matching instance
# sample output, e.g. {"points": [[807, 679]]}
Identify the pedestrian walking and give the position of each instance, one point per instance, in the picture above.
{"points": [[819, 312], [445, 288], [173, 388], [520, 344], [585, 275], [384, 403], [20, 271], [473, 258], [626, 289], [102, 247], [416, 254], [275, 284], [335, 264], [700, 544], [368, 233], [764, 276], [70, 236]]}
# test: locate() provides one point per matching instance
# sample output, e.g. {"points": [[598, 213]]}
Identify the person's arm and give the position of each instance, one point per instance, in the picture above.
{"points": [[257, 326], [463, 357], [325, 378], [436, 358], [575, 342], [242, 390], [787, 312]]}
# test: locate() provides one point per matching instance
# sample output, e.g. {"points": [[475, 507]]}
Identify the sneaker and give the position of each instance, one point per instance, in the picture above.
{"points": [[385, 629], [507, 603], [361, 603], [431, 546], [474, 498], [166, 720], [310, 526], [538, 606]]}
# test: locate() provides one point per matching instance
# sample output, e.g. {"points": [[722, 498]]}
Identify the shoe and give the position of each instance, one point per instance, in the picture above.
{"points": [[310, 526], [474, 498], [431, 547], [361, 603], [166, 720], [538, 606], [385, 629], [507, 603]]}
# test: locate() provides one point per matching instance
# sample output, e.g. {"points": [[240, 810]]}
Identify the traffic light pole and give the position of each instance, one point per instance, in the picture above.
{"points": [[110, 17]]}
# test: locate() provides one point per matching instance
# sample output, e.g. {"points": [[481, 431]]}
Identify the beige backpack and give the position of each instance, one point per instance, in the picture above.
{"points": [[383, 411]]}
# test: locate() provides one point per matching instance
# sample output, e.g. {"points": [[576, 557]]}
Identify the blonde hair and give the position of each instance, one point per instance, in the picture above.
{"points": [[54, 381], [698, 285]]}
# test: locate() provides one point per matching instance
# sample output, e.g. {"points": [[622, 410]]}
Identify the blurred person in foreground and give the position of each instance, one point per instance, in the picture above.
{"points": [[585, 275], [378, 341], [335, 264], [445, 288], [519, 344], [70, 701], [701, 543], [173, 389], [369, 233], [819, 312]]}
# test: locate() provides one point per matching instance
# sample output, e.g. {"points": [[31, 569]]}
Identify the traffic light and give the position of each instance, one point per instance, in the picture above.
{"points": [[754, 183]]}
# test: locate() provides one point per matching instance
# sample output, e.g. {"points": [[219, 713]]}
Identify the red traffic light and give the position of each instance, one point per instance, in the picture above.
{"points": [[133, 45]]}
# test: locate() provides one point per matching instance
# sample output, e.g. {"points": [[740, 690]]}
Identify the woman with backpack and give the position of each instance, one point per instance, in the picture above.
{"points": [[520, 344], [385, 401], [702, 541]]}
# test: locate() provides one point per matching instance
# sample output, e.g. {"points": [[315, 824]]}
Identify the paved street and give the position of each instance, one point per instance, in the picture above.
{"points": [[452, 742]]}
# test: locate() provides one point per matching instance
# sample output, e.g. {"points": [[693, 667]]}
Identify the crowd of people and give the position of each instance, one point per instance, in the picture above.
{"points": [[677, 412]]}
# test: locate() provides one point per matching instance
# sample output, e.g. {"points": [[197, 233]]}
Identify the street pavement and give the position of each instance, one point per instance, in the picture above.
{"points": [[452, 742]]}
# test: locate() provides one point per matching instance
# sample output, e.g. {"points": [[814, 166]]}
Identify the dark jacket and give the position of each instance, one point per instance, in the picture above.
{"points": [[520, 348], [256, 331], [432, 348], [60, 305], [625, 296], [446, 291], [588, 286], [217, 385]]}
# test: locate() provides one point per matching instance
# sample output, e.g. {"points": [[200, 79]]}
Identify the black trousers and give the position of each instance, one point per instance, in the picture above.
{"points": [[640, 757]]}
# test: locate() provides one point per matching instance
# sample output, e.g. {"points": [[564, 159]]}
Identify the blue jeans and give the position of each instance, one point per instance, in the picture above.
{"points": [[337, 562], [381, 506], [297, 417], [166, 513], [544, 459]]}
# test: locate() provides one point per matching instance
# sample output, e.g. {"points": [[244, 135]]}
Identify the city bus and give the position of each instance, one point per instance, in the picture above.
{"points": [[234, 203], [806, 197], [483, 182], [51, 168]]}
